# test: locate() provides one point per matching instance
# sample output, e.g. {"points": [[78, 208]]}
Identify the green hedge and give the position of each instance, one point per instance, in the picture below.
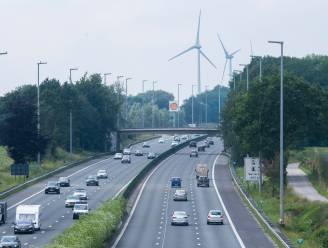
{"points": [[91, 231]]}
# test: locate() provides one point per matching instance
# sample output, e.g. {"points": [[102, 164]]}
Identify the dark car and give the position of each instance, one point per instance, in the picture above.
{"points": [[207, 144], [176, 182], [24, 226], [201, 148], [211, 142], [194, 153], [92, 181], [192, 144], [138, 153], [151, 155], [52, 187], [10, 242], [64, 182]]}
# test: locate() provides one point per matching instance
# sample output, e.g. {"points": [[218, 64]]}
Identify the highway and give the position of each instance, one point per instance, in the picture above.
{"points": [[54, 216], [150, 224]]}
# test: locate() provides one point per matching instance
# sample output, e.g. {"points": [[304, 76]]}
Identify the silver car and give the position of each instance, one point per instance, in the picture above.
{"points": [[215, 217], [118, 155], [71, 200], [180, 195], [179, 218], [81, 193], [126, 159], [102, 174]]}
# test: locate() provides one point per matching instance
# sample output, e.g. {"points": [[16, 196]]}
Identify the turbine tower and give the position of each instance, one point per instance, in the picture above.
{"points": [[198, 47], [229, 57]]}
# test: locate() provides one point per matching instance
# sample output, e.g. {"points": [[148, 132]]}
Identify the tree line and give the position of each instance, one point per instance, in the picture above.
{"points": [[95, 109], [251, 118]]}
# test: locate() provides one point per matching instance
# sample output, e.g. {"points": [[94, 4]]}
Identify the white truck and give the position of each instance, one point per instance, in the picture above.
{"points": [[29, 212]]}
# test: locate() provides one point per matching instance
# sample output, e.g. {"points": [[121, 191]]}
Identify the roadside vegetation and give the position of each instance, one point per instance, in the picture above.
{"points": [[92, 230], [48, 164], [314, 162], [250, 126], [304, 220]]}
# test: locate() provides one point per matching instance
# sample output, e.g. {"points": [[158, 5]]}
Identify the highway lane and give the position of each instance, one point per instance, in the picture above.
{"points": [[54, 216], [150, 225]]}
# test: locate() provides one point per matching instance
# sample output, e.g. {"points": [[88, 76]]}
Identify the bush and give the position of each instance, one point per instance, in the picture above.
{"points": [[94, 229]]}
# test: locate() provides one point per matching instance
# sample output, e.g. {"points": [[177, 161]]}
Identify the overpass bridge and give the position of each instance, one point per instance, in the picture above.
{"points": [[188, 130]]}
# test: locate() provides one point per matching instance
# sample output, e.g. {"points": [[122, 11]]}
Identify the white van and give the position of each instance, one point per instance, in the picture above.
{"points": [[29, 212]]}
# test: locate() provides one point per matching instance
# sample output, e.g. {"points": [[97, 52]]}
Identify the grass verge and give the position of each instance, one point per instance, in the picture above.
{"points": [[304, 220], [49, 163], [94, 229]]}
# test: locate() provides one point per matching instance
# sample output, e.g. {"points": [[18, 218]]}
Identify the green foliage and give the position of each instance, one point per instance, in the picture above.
{"points": [[94, 229], [200, 106]]}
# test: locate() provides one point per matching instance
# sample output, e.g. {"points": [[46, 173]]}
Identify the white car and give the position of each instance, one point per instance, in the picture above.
{"points": [[80, 209], [161, 140], [145, 145], [180, 195], [71, 200], [81, 193], [118, 155], [174, 143], [126, 159], [179, 218], [127, 151], [215, 217], [102, 174]]}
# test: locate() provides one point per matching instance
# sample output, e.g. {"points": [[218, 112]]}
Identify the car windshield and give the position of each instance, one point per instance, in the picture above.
{"points": [[8, 239], [81, 206], [118, 154], [180, 192], [175, 179], [101, 171], [215, 213], [52, 183], [80, 191], [72, 197], [179, 213], [24, 222], [63, 179], [91, 177]]}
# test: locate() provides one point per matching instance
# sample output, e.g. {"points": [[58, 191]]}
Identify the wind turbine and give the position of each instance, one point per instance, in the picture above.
{"points": [[198, 47], [229, 57]]}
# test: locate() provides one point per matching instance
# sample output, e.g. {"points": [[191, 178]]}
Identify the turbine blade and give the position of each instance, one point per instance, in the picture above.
{"points": [[198, 28], [235, 52], [201, 52], [185, 51], [225, 65], [225, 50]]}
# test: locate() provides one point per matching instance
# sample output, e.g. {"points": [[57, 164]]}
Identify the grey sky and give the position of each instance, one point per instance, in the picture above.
{"points": [[136, 38]]}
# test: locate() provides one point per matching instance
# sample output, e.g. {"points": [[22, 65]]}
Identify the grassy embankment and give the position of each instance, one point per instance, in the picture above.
{"points": [[49, 163], [304, 220]]}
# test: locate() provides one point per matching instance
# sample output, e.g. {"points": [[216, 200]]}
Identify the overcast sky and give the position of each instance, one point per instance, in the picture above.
{"points": [[136, 38]]}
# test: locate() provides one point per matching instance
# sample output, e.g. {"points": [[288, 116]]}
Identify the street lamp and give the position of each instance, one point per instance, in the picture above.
{"points": [[153, 103], [118, 95], [70, 116], [234, 79], [281, 186], [192, 104], [126, 98], [38, 108], [179, 105], [246, 65], [70, 73], [143, 103], [105, 77], [260, 60]]}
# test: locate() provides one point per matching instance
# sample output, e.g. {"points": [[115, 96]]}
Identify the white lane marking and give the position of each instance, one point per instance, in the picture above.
{"points": [[135, 205], [240, 241], [76, 172]]}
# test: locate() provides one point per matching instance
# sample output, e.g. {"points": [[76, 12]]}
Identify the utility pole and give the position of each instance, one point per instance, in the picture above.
{"points": [[247, 79], [105, 77], [179, 105], [70, 116], [143, 103], [38, 109], [126, 98], [281, 186], [118, 95], [153, 105]]}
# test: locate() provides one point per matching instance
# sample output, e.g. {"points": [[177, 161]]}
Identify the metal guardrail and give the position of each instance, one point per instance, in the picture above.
{"points": [[259, 211]]}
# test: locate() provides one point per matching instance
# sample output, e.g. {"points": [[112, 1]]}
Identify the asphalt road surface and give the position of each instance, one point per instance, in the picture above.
{"points": [[150, 225], [54, 216]]}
